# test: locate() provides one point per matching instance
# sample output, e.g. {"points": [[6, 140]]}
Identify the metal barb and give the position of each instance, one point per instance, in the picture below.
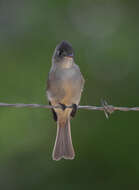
{"points": [[108, 109]]}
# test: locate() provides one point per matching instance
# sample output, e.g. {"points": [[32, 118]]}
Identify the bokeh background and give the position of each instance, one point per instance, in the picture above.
{"points": [[105, 37]]}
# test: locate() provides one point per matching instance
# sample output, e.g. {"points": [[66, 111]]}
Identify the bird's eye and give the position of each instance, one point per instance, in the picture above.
{"points": [[60, 52]]}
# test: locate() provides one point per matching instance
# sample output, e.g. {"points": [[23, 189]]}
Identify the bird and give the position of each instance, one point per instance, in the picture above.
{"points": [[64, 88]]}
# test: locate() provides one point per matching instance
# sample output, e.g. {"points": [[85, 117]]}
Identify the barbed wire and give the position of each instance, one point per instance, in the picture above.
{"points": [[108, 109]]}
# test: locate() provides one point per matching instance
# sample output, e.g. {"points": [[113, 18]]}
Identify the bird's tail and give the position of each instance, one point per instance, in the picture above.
{"points": [[63, 147]]}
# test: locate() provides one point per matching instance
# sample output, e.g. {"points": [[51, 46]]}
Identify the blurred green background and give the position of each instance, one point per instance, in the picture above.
{"points": [[105, 37]]}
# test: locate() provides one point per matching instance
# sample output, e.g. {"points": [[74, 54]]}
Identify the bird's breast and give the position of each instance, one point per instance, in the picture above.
{"points": [[66, 85]]}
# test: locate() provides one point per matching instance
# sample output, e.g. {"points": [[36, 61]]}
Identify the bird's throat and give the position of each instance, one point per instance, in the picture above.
{"points": [[67, 62]]}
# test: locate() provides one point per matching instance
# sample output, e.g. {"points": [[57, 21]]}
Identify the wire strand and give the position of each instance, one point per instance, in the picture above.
{"points": [[108, 109]]}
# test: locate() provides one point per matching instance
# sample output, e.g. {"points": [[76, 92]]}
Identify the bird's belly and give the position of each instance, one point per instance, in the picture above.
{"points": [[72, 92]]}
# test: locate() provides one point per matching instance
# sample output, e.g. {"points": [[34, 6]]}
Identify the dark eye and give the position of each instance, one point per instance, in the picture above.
{"points": [[60, 52]]}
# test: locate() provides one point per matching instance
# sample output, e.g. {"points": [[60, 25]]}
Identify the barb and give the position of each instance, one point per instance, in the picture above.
{"points": [[108, 109]]}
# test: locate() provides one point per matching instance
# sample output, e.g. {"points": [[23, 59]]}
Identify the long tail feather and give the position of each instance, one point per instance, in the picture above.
{"points": [[63, 147]]}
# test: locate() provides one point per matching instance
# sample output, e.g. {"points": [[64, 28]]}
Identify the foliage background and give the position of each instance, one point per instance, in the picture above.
{"points": [[105, 36]]}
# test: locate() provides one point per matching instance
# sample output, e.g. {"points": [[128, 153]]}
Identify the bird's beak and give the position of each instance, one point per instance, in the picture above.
{"points": [[70, 55]]}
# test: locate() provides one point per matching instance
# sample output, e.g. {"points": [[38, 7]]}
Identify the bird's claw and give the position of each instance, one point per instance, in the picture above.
{"points": [[74, 110], [63, 106]]}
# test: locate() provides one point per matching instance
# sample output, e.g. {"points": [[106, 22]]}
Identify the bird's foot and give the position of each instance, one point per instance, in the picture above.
{"points": [[74, 110], [63, 106]]}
